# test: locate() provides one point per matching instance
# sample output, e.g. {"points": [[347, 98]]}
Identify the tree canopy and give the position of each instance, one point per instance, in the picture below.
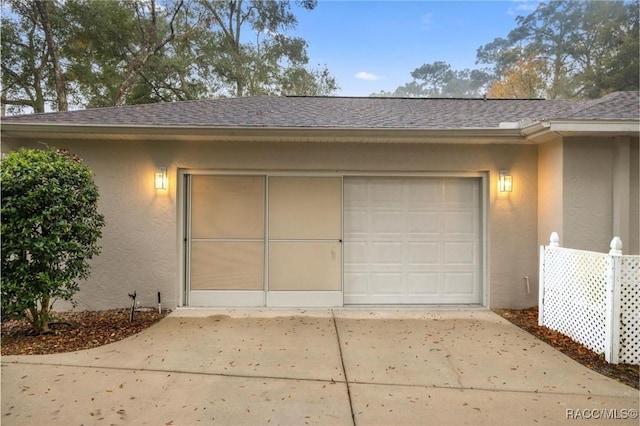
{"points": [[439, 79], [578, 49], [563, 49], [91, 53]]}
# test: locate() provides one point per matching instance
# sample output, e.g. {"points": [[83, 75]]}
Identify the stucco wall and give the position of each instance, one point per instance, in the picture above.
{"points": [[591, 196], [550, 184], [633, 245], [141, 245]]}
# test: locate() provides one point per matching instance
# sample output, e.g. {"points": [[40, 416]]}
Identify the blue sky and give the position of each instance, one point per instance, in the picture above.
{"points": [[374, 45]]}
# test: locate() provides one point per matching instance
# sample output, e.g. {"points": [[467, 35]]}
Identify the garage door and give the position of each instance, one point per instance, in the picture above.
{"points": [[263, 240], [412, 240]]}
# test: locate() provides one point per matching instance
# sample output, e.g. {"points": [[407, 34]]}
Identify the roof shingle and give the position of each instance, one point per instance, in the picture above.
{"points": [[345, 112]]}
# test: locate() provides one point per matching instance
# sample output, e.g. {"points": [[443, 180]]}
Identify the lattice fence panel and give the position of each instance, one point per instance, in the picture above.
{"points": [[574, 294], [630, 310]]}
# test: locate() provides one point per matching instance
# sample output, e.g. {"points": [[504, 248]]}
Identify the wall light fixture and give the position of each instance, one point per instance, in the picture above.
{"points": [[160, 178], [505, 183]]}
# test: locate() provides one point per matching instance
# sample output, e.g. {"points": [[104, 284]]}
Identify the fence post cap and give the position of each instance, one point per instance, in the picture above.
{"points": [[616, 246], [554, 240]]}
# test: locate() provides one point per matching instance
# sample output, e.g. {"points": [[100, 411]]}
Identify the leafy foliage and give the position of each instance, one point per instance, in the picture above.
{"points": [[563, 49], [268, 61], [94, 53], [579, 49], [438, 79], [50, 231], [522, 80]]}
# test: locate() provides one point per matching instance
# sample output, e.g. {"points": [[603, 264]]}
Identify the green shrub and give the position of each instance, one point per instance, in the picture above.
{"points": [[50, 231]]}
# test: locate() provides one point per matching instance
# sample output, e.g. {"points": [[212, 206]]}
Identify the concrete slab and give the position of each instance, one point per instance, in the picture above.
{"points": [[63, 395], [287, 366], [419, 405], [296, 347], [462, 352]]}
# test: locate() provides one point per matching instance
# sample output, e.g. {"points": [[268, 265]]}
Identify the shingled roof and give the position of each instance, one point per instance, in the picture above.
{"points": [[345, 112]]}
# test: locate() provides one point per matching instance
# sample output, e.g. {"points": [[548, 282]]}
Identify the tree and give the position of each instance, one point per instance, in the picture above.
{"points": [[608, 50], [44, 8], [266, 61], [24, 59], [523, 80], [128, 52], [439, 79], [589, 49], [301, 81], [433, 77], [92, 53], [50, 231]]}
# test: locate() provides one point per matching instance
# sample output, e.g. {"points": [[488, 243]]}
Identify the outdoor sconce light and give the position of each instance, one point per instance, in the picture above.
{"points": [[505, 183], [160, 178]]}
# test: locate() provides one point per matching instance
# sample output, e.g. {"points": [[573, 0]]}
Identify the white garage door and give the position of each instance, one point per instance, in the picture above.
{"points": [[412, 240]]}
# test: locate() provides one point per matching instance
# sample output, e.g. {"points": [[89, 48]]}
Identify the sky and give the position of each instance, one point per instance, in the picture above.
{"points": [[371, 46]]}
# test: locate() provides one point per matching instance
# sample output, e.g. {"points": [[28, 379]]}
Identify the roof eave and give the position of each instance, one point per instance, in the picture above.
{"points": [[49, 131], [546, 130]]}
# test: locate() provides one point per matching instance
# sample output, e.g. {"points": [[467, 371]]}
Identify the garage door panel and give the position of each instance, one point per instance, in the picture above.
{"points": [[458, 191], [386, 253], [423, 253], [385, 191], [423, 284], [385, 283], [359, 283], [422, 237], [459, 253], [356, 253], [459, 283], [356, 194], [424, 222], [387, 222], [460, 222], [421, 192], [358, 223]]}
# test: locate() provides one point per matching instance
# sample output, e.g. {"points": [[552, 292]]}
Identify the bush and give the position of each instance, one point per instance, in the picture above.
{"points": [[50, 231]]}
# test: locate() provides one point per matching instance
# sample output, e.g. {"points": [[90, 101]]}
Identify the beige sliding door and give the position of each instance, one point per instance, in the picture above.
{"points": [[305, 239], [227, 240], [256, 240]]}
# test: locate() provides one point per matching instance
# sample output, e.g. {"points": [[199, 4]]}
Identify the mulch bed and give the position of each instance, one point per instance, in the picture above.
{"points": [[74, 331], [527, 319]]}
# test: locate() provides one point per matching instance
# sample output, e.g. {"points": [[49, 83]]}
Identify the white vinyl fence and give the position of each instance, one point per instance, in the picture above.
{"points": [[594, 298]]}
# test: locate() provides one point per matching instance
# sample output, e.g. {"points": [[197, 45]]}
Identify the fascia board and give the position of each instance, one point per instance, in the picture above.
{"points": [[542, 131], [50, 131], [618, 126]]}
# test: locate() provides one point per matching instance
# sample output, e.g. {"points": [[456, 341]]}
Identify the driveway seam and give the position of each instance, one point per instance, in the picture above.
{"points": [[159, 370], [330, 381], [344, 370]]}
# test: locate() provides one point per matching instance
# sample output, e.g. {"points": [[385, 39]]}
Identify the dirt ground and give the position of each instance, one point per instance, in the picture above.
{"points": [[73, 331], [527, 319]]}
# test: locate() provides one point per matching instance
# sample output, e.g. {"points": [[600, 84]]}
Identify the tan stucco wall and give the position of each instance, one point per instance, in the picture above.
{"points": [[590, 195], [550, 184], [141, 241], [588, 177], [634, 194]]}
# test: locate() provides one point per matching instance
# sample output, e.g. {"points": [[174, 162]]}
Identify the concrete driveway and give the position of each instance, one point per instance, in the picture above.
{"points": [[329, 367]]}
